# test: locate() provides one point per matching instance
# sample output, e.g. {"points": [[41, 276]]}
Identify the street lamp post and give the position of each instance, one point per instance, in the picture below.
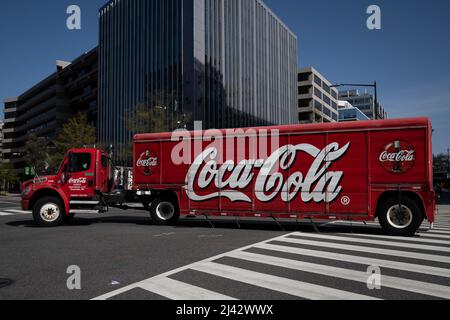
{"points": [[448, 163], [374, 85]]}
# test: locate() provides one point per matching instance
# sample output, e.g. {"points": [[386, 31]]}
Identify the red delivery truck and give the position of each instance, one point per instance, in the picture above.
{"points": [[355, 171]]}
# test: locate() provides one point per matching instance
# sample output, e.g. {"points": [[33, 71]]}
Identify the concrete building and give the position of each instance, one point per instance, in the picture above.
{"points": [[364, 102], [227, 63], [1, 141], [317, 100], [45, 107], [347, 112]]}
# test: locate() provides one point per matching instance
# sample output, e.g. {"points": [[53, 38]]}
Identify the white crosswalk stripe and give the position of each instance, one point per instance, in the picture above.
{"points": [[18, 211], [392, 282], [177, 290], [440, 227], [425, 225], [435, 235], [424, 269], [292, 287], [418, 238], [13, 212], [439, 231], [375, 242], [312, 253], [396, 253]]}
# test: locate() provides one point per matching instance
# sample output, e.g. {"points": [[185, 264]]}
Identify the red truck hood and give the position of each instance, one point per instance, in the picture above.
{"points": [[38, 181]]}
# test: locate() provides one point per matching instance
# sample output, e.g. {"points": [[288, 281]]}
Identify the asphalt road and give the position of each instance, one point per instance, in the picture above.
{"points": [[121, 255]]}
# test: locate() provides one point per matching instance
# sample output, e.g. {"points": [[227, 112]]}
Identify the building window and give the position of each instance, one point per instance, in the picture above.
{"points": [[304, 103], [318, 93], [318, 105], [334, 94], [303, 77], [335, 117], [303, 90], [317, 81], [326, 99], [304, 116]]}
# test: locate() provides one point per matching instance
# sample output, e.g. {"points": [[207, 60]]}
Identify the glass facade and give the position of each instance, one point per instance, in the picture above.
{"points": [[364, 102], [352, 114], [140, 64], [227, 63]]}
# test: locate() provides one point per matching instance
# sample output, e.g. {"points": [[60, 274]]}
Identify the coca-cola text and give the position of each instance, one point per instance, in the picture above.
{"points": [[318, 184]]}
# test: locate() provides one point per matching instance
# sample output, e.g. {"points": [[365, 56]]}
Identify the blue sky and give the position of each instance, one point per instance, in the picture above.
{"points": [[409, 57]]}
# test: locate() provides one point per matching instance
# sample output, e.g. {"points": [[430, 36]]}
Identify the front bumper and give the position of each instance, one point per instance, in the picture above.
{"points": [[25, 204]]}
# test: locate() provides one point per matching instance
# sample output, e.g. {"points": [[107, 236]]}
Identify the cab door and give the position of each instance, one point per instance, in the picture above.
{"points": [[79, 172]]}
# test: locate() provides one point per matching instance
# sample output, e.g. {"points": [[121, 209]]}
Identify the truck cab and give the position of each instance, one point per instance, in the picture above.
{"points": [[84, 183]]}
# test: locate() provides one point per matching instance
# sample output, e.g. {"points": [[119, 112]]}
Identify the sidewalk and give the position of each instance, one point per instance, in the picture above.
{"points": [[11, 195]]}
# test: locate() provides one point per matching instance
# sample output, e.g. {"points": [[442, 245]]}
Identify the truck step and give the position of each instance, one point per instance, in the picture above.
{"points": [[79, 211], [83, 202]]}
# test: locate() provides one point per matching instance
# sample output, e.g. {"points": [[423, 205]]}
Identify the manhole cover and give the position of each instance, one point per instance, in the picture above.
{"points": [[5, 283]]}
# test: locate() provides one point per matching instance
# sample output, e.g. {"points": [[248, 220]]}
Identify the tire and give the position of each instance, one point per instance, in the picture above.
{"points": [[49, 212], [164, 212], [404, 222]]}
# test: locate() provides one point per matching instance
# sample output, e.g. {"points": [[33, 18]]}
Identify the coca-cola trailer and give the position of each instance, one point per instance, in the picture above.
{"points": [[355, 171]]}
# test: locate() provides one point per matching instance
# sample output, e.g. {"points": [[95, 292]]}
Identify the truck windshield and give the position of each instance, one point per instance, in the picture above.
{"points": [[80, 162]]}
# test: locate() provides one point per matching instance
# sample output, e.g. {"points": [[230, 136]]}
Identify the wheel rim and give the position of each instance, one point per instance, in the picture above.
{"points": [[400, 217], [49, 212], [165, 211]]}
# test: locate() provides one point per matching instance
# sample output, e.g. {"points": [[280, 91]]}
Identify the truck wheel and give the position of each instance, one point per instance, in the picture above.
{"points": [[400, 220], [164, 212], [48, 212]]}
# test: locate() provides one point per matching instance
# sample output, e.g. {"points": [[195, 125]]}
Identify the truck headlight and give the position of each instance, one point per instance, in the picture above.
{"points": [[26, 191]]}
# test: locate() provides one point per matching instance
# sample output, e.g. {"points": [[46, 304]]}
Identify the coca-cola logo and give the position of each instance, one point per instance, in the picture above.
{"points": [[318, 184], [77, 180], [398, 157], [146, 161]]}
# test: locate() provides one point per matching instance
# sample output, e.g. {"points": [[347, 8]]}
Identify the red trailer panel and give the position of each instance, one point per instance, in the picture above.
{"points": [[339, 170]]}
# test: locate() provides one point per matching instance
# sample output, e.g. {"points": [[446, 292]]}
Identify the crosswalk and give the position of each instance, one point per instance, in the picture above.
{"points": [[12, 212], [303, 265]]}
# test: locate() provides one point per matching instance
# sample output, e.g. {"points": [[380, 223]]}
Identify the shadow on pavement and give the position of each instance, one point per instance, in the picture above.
{"points": [[303, 226]]}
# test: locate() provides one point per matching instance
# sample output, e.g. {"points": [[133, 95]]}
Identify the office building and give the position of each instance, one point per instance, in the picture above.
{"points": [[347, 112], [44, 108], [1, 141], [227, 63], [364, 102], [317, 100]]}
